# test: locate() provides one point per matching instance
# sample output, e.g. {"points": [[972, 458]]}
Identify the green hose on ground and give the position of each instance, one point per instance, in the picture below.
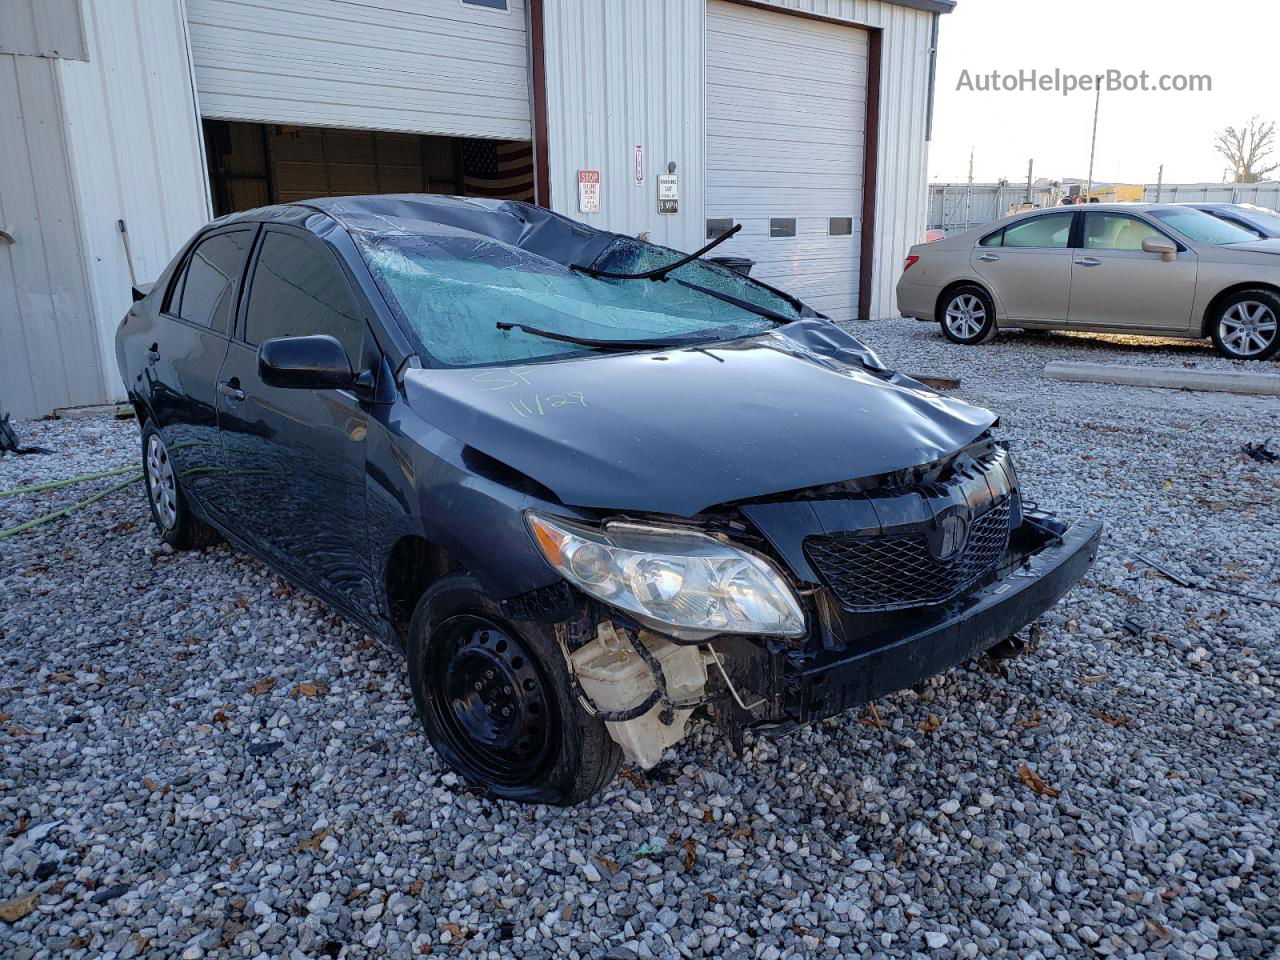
{"points": [[79, 504], [53, 484]]}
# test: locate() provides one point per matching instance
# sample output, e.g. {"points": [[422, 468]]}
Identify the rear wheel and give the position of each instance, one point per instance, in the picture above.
{"points": [[968, 315], [497, 703], [170, 511], [1245, 327]]}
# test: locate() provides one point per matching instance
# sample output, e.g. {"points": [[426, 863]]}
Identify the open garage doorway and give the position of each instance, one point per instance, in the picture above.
{"points": [[256, 164]]}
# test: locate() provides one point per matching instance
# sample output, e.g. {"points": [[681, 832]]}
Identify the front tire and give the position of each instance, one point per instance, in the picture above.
{"points": [[968, 315], [1245, 325], [170, 511], [497, 703]]}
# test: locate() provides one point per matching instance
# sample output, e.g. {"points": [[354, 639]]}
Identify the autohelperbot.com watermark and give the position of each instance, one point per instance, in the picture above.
{"points": [[1065, 82]]}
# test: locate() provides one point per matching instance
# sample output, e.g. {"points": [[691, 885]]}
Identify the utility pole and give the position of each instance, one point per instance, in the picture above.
{"points": [[1030, 166], [971, 164], [1160, 184], [1093, 145]]}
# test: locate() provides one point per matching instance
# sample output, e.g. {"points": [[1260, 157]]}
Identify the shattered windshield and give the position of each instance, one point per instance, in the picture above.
{"points": [[451, 291]]}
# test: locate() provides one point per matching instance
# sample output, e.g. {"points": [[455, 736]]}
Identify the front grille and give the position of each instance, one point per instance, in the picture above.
{"points": [[871, 574]]}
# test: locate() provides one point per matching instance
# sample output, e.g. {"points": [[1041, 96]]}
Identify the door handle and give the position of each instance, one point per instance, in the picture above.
{"points": [[1088, 261], [231, 389], [988, 258]]}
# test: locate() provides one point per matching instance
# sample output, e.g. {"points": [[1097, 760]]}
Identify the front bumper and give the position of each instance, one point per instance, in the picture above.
{"points": [[804, 687]]}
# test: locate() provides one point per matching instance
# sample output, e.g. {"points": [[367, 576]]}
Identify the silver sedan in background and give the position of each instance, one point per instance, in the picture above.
{"points": [[1161, 270]]}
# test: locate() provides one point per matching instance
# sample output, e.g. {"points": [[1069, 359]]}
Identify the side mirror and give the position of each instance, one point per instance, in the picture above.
{"points": [[305, 363], [1159, 245]]}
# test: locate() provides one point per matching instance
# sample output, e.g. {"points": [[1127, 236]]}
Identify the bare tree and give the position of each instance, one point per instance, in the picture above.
{"points": [[1247, 149]]}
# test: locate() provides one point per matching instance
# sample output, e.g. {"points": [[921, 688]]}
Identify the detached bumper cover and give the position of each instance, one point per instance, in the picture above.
{"points": [[831, 682]]}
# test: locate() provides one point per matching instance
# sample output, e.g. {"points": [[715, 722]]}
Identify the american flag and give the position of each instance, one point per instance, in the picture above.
{"points": [[498, 168]]}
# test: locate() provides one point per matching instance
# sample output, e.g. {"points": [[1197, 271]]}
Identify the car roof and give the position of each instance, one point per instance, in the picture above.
{"points": [[458, 222]]}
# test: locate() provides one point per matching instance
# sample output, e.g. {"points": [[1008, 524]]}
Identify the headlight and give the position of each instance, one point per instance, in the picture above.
{"points": [[679, 581]]}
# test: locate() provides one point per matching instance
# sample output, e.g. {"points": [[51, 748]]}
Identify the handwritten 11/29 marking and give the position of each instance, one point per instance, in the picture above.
{"points": [[541, 406]]}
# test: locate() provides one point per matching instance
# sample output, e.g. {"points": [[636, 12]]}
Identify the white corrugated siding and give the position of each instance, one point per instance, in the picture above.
{"points": [[82, 146], [48, 344], [137, 149], [42, 28], [420, 66], [621, 72], [786, 122]]}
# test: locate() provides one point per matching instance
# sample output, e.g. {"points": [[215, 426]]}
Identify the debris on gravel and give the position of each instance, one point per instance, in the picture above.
{"points": [[200, 760]]}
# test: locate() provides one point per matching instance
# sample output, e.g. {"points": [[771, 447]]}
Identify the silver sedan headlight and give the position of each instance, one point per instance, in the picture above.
{"points": [[682, 582]]}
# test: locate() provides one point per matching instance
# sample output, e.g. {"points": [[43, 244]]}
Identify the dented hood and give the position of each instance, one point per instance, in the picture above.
{"points": [[679, 430]]}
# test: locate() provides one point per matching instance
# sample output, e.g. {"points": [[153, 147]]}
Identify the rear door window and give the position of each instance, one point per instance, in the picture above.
{"points": [[1052, 231], [298, 290], [205, 293]]}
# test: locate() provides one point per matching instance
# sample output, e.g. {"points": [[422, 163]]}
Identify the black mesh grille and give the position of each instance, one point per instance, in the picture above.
{"points": [[869, 574]]}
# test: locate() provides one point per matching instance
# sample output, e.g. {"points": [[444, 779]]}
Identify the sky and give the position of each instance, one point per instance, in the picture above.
{"points": [[1234, 42]]}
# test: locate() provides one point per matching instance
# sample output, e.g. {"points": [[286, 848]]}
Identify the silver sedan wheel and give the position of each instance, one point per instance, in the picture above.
{"points": [[163, 484], [966, 316], [1248, 328]]}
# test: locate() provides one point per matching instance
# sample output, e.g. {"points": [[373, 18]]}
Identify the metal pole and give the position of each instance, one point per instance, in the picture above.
{"points": [[1093, 145], [1030, 166], [1160, 184]]}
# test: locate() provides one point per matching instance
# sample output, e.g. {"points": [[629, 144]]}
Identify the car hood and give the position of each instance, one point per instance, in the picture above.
{"points": [[1255, 246], [678, 430]]}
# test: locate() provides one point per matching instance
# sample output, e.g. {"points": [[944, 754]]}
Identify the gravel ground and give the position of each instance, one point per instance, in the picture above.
{"points": [[199, 760]]}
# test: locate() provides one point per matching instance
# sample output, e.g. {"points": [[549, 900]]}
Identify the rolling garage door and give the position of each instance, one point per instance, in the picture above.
{"points": [[786, 109], [448, 67]]}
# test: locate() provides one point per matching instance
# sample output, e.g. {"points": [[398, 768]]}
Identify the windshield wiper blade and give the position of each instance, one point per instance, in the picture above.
{"points": [[738, 302], [660, 273], [592, 342]]}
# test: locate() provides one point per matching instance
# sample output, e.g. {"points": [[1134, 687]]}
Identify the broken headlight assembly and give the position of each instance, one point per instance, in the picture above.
{"points": [[681, 582]]}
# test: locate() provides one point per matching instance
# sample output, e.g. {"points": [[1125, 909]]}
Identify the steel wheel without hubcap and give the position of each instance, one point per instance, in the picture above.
{"points": [[490, 700], [162, 483], [1247, 328], [966, 316]]}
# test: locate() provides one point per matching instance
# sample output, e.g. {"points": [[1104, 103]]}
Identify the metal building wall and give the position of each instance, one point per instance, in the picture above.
{"points": [[619, 73], [417, 66], [83, 145], [48, 342]]}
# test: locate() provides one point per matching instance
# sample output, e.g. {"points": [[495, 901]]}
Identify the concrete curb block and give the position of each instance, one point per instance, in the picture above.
{"points": [[1170, 378]]}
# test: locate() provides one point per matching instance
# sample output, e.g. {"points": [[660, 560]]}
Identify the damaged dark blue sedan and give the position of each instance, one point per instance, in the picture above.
{"points": [[587, 485]]}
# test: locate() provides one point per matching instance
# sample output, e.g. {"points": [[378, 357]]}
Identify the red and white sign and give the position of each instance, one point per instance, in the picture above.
{"points": [[588, 191]]}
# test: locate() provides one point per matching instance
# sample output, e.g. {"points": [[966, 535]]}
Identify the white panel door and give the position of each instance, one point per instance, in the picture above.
{"points": [[417, 66], [786, 111]]}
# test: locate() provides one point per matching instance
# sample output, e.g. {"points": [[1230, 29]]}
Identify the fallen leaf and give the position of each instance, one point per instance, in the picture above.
{"points": [[1115, 720], [1031, 722], [61, 678], [457, 932], [740, 834], [1032, 780], [150, 784], [633, 778], [607, 864], [1159, 929], [221, 717], [712, 898], [11, 911], [415, 888], [690, 855], [242, 603], [309, 690], [932, 724], [707, 816], [263, 686], [1092, 678], [1168, 893], [400, 817], [314, 842], [282, 591]]}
